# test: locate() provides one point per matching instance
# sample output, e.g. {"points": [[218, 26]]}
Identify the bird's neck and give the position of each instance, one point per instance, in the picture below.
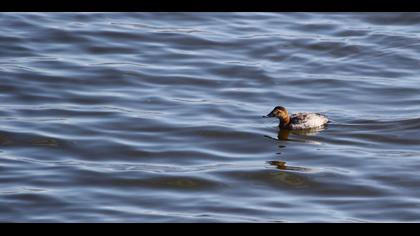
{"points": [[284, 122]]}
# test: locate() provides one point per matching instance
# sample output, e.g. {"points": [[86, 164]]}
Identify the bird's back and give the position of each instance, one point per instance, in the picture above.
{"points": [[304, 120]]}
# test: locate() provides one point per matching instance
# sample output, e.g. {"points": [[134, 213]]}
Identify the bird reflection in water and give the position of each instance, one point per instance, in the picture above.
{"points": [[294, 136], [281, 165], [286, 176], [297, 135], [289, 175], [284, 134]]}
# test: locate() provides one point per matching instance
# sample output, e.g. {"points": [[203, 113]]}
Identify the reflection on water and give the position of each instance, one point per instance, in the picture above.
{"points": [[289, 174], [290, 179], [298, 135], [281, 165], [283, 134]]}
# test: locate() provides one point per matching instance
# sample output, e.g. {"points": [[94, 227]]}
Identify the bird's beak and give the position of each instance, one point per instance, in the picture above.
{"points": [[269, 115]]}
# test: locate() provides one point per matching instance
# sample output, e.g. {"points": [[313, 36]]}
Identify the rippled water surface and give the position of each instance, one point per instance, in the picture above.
{"points": [[157, 117]]}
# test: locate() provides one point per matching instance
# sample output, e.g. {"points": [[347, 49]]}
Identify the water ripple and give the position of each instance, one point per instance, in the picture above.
{"points": [[156, 117]]}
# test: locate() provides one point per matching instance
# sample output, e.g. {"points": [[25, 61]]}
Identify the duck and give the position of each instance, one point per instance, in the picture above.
{"points": [[297, 121]]}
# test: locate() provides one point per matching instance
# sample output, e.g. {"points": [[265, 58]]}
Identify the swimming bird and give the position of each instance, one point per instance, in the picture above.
{"points": [[297, 121]]}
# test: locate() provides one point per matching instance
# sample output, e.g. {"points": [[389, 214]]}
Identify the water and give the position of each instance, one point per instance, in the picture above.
{"points": [[156, 117]]}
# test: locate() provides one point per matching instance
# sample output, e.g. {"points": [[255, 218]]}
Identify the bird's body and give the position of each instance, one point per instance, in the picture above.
{"points": [[305, 120], [298, 121]]}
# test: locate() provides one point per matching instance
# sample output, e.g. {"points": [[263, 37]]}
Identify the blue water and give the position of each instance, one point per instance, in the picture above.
{"points": [[157, 117]]}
